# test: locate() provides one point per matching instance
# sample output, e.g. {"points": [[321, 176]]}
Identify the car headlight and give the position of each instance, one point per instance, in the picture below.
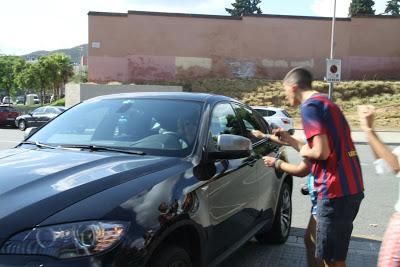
{"points": [[67, 240]]}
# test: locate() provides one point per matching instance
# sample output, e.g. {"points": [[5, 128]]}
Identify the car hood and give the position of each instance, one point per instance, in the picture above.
{"points": [[36, 183]]}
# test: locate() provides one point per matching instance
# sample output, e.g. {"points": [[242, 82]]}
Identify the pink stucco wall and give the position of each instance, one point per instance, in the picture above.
{"points": [[144, 46]]}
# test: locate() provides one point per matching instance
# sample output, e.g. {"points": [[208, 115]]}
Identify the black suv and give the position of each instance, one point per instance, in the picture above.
{"points": [[152, 179]]}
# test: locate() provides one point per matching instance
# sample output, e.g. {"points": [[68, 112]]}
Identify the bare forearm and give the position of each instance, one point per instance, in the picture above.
{"points": [[291, 141], [293, 169], [382, 151]]}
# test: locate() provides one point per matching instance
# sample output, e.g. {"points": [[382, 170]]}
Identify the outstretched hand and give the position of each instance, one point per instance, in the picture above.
{"points": [[366, 114], [258, 134], [282, 135], [269, 161]]}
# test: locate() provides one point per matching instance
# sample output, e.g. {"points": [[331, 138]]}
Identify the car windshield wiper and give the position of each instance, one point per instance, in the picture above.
{"points": [[38, 144], [104, 148]]}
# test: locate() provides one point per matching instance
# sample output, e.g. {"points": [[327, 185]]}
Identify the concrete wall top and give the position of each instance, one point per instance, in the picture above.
{"points": [[76, 93]]}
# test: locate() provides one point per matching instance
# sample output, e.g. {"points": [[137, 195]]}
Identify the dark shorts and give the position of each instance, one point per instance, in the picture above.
{"points": [[334, 226]]}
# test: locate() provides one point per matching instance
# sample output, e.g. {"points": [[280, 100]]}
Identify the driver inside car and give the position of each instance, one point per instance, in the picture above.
{"points": [[187, 129]]}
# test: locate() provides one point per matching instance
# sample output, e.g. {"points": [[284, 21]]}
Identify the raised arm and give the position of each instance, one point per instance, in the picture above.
{"points": [[366, 115]]}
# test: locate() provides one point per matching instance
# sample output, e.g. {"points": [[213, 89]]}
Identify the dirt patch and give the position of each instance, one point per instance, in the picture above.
{"points": [[384, 95]]}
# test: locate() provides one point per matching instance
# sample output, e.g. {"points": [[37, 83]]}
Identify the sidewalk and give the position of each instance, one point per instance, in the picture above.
{"points": [[362, 253], [391, 138]]}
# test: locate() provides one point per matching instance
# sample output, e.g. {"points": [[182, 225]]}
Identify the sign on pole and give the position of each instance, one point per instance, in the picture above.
{"points": [[333, 70]]}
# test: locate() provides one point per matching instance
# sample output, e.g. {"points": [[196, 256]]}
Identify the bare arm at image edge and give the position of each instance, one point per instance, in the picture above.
{"points": [[366, 115], [382, 151]]}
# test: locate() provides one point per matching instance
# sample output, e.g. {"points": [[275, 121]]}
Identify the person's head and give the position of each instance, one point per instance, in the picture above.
{"points": [[187, 128], [295, 82]]}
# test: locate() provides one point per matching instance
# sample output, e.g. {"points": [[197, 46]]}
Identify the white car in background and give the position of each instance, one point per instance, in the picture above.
{"points": [[276, 117]]}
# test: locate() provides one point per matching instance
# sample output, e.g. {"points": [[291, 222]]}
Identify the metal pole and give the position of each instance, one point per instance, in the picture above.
{"points": [[332, 42]]}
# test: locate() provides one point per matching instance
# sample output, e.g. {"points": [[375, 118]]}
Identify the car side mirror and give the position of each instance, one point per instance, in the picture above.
{"points": [[30, 113], [29, 132], [231, 146]]}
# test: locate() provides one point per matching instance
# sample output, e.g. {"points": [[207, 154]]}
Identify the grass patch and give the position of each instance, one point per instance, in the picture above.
{"points": [[59, 102]]}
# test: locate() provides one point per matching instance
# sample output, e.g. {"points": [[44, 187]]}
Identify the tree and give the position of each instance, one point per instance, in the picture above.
{"points": [[58, 67], [29, 78], [80, 77], [361, 7], [66, 71], [9, 67], [244, 7], [393, 7]]}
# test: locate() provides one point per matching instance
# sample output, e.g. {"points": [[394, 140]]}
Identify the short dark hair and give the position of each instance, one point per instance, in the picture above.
{"points": [[299, 76]]}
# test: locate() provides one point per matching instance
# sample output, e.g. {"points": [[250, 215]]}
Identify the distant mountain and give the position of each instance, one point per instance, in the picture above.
{"points": [[74, 53]]}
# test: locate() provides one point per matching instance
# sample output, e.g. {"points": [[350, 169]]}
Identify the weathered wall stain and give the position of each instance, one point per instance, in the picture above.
{"points": [[241, 68]]}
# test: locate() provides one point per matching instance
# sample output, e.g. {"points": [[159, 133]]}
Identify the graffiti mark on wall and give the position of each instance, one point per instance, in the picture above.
{"points": [[305, 63], [270, 63], [282, 63], [241, 68]]}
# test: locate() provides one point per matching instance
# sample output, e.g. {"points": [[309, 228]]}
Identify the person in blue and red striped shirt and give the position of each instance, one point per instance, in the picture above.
{"points": [[334, 164]]}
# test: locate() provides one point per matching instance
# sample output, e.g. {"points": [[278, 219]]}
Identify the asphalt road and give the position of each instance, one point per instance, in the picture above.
{"points": [[380, 192]]}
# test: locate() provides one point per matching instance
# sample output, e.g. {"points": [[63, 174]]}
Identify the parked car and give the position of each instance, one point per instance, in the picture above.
{"points": [[36, 99], [38, 117], [20, 99], [277, 117], [7, 100], [8, 114], [126, 180]]}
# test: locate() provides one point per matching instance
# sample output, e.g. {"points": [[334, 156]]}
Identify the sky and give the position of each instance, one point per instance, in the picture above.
{"points": [[32, 25]]}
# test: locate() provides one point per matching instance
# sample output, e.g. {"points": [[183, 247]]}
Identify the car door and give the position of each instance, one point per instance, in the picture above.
{"points": [[50, 113], [3, 115], [233, 192], [45, 116], [267, 177], [35, 119]]}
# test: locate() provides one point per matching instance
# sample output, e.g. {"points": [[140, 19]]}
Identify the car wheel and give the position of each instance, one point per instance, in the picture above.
{"points": [[280, 230], [22, 125], [171, 256]]}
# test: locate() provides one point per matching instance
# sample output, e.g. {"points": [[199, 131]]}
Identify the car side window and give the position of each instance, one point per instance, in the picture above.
{"points": [[263, 112], [271, 112], [10, 109], [224, 121], [38, 111], [50, 110], [286, 114], [250, 121]]}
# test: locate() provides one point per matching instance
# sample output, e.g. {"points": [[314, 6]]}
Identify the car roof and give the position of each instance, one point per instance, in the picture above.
{"points": [[202, 97], [267, 108]]}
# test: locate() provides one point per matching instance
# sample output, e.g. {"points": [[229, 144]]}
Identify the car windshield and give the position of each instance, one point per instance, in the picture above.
{"points": [[154, 126]]}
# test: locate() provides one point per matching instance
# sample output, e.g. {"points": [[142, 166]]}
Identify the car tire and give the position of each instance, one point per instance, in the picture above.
{"points": [[22, 125], [280, 230], [171, 256]]}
